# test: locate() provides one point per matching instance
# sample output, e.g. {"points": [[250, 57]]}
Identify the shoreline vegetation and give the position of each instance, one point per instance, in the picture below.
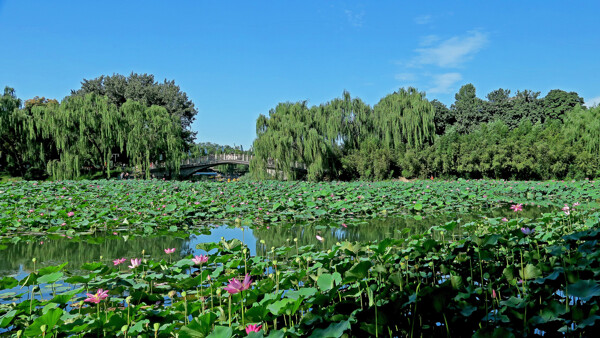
{"points": [[131, 123]]}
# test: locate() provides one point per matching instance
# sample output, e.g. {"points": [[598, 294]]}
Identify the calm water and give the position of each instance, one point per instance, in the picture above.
{"points": [[16, 259]]}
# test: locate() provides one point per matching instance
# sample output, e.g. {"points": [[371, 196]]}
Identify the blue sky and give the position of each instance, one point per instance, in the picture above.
{"points": [[236, 60]]}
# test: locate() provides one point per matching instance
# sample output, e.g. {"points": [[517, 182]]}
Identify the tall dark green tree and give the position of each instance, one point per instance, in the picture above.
{"points": [[444, 118], [558, 102], [468, 109]]}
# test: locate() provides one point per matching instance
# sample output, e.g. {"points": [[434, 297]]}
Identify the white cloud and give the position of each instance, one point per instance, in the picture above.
{"points": [[423, 19], [443, 83], [429, 40], [355, 19], [594, 101], [451, 52], [405, 77]]}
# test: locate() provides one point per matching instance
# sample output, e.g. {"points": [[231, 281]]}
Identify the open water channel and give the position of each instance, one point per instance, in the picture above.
{"points": [[17, 258]]}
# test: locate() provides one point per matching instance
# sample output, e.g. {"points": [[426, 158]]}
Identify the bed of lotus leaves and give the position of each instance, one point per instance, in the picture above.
{"points": [[73, 208], [502, 278]]}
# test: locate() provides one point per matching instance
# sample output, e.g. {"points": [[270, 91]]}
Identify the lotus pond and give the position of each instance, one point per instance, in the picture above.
{"points": [[160, 258]]}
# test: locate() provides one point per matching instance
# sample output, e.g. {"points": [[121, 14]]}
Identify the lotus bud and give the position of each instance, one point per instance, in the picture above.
{"points": [[34, 259], [245, 251], [156, 326], [19, 333], [44, 328], [124, 328], [172, 294], [183, 294], [218, 292], [296, 239], [128, 300]]}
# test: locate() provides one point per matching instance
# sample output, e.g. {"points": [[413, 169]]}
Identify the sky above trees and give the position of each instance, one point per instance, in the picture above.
{"points": [[240, 59]]}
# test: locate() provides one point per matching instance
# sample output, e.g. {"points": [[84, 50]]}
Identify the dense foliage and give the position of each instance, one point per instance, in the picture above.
{"points": [[491, 277], [74, 207], [133, 122], [511, 137]]}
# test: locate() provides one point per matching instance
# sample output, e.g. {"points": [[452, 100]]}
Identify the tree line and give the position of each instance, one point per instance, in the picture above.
{"points": [[504, 136], [136, 122], [130, 121]]}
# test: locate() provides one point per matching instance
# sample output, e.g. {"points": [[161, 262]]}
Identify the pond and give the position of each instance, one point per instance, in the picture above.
{"points": [[17, 258]]}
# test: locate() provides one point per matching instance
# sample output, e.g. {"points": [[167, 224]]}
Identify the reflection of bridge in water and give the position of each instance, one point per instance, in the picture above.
{"points": [[193, 165]]}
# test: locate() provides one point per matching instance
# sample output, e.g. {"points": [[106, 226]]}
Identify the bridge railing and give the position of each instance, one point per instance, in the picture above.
{"points": [[216, 158]]}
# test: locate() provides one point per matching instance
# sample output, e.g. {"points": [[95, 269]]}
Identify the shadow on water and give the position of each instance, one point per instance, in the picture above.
{"points": [[16, 259]]}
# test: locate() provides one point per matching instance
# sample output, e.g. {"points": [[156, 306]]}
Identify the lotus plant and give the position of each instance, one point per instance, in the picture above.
{"points": [[169, 252], [119, 261], [135, 262], [199, 260], [236, 286], [253, 328], [97, 297], [517, 207]]}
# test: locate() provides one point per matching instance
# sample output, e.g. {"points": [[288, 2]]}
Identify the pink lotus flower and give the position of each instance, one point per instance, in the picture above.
{"points": [[493, 293], [200, 259], [253, 328], [135, 262], [119, 261], [70, 214], [319, 238], [236, 286], [517, 207], [96, 298], [575, 204], [344, 225], [169, 251], [504, 219]]}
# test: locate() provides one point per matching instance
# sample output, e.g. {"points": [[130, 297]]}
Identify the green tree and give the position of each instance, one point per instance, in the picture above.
{"points": [[144, 89], [444, 118], [558, 102], [85, 130], [23, 151], [402, 118], [468, 109]]}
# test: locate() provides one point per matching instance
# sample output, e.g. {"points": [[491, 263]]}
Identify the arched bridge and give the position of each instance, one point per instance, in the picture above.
{"points": [[193, 165]]}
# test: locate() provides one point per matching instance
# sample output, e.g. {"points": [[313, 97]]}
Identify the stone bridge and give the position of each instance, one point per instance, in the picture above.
{"points": [[193, 165]]}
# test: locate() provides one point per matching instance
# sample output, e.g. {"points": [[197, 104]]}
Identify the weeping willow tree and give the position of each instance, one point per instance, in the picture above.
{"points": [[281, 140], [88, 130], [295, 134], [23, 151], [582, 126], [85, 129], [150, 133], [404, 118]]}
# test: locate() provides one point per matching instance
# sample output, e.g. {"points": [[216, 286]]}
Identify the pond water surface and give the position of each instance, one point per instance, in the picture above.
{"points": [[16, 259]]}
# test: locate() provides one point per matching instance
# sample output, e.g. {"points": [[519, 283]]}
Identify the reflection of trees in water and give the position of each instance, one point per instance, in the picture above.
{"points": [[57, 251], [373, 229], [54, 252]]}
